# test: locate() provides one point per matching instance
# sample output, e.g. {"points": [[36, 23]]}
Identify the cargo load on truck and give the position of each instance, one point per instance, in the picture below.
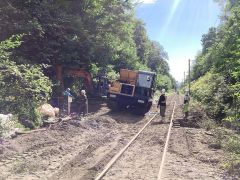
{"points": [[134, 90]]}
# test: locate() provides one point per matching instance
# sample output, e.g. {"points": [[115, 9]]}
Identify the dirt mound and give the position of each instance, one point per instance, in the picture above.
{"points": [[194, 119]]}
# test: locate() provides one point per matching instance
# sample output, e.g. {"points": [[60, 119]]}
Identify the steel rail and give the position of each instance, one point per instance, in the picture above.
{"points": [[166, 144], [115, 158]]}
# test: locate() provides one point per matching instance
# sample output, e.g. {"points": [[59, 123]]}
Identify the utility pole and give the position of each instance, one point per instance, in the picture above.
{"points": [[184, 77], [189, 77]]}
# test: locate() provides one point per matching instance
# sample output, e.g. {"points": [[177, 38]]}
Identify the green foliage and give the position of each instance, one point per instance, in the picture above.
{"points": [[111, 74], [211, 91], [233, 144], [219, 64], [81, 33], [164, 82], [94, 69], [208, 124], [209, 39], [219, 138], [23, 87], [229, 142], [217, 77], [77, 85], [232, 122], [157, 59], [142, 67], [232, 164]]}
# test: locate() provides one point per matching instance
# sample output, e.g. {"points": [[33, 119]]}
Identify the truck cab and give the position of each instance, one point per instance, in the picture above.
{"points": [[134, 90]]}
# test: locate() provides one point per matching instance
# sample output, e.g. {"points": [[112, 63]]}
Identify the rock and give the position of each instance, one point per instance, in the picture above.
{"points": [[56, 111], [48, 110], [27, 123], [13, 135], [5, 117]]}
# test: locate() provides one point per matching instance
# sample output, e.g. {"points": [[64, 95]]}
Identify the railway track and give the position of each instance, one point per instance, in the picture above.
{"points": [[68, 151], [138, 159]]}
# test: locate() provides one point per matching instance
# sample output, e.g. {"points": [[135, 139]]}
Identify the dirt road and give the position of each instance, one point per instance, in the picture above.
{"points": [[80, 149]]}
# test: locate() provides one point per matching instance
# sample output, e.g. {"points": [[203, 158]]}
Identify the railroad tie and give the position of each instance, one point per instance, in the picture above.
{"points": [[176, 124]]}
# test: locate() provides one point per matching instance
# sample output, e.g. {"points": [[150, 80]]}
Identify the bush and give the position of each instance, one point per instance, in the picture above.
{"points": [[163, 82], [230, 142], [232, 164], [23, 87], [212, 91], [232, 122], [208, 124], [220, 99], [219, 138], [233, 144]]}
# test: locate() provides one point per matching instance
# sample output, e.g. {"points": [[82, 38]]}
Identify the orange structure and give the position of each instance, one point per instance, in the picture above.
{"points": [[75, 72]]}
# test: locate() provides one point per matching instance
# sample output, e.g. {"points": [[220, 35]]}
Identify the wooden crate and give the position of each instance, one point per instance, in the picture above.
{"points": [[128, 76], [116, 88]]}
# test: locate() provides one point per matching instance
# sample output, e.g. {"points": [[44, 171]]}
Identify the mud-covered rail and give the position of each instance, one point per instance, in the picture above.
{"points": [[166, 143], [124, 149]]}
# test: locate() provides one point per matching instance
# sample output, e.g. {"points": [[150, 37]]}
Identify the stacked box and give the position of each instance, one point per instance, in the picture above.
{"points": [[128, 76]]}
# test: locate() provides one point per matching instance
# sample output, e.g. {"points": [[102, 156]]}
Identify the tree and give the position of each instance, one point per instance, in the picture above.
{"points": [[23, 87], [220, 55], [157, 59], [79, 33], [143, 44], [209, 39]]}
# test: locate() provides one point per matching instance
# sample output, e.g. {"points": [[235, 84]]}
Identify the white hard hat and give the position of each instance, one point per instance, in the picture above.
{"points": [[163, 91], [83, 91]]}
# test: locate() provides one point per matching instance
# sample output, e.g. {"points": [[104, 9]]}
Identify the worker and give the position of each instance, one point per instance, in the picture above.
{"points": [[186, 104], [66, 108], [67, 92], [162, 104], [82, 102]]}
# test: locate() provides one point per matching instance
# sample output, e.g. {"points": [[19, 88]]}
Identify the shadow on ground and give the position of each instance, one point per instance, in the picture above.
{"points": [[124, 116], [94, 105]]}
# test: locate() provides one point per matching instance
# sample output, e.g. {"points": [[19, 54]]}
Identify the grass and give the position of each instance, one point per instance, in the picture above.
{"points": [[223, 138], [232, 164], [208, 124], [229, 141]]}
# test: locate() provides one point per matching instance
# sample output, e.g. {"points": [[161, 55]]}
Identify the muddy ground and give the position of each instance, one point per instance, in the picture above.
{"points": [[80, 149]]}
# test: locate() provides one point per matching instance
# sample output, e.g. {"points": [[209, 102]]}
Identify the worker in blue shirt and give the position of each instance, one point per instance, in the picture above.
{"points": [[67, 92]]}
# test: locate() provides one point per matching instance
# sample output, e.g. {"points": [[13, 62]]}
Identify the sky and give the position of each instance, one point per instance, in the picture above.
{"points": [[178, 25]]}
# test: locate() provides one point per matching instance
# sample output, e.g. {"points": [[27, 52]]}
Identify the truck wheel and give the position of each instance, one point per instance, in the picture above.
{"points": [[112, 105], [148, 107], [140, 111], [115, 106]]}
